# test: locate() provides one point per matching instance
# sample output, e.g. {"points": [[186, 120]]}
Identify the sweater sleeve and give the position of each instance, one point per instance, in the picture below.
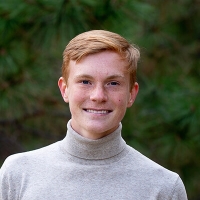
{"points": [[7, 191], [179, 192], [4, 185]]}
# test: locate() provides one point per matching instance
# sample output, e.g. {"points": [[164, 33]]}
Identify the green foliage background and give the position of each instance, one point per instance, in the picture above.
{"points": [[164, 122]]}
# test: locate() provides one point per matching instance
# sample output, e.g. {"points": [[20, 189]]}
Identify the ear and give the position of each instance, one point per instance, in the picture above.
{"points": [[133, 94], [63, 89]]}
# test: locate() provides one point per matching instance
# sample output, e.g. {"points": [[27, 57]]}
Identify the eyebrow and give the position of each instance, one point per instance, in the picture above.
{"points": [[91, 77], [83, 76], [115, 76]]}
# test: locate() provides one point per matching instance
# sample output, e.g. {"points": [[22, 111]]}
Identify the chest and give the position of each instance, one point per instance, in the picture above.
{"points": [[88, 184]]}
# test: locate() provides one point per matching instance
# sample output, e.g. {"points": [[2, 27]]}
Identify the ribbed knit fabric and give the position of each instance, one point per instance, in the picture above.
{"points": [[79, 168]]}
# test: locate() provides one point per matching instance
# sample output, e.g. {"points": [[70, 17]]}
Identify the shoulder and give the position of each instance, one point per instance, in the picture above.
{"points": [[147, 165], [19, 161], [179, 191], [21, 169], [160, 179]]}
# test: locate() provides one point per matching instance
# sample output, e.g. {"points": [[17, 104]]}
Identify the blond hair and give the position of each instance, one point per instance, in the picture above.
{"points": [[96, 41]]}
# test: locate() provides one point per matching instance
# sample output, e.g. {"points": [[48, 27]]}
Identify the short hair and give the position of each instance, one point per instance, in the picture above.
{"points": [[96, 41]]}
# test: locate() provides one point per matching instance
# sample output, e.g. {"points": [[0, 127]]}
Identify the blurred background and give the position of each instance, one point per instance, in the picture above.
{"points": [[164, 122]]}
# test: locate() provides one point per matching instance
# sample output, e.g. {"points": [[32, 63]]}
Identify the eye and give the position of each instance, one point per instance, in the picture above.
{"points": [[85, 82], [113, 83]]}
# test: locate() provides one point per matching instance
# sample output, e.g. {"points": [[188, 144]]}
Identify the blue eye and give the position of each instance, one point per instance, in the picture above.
{"points": [[85, 82], [114, 83]]}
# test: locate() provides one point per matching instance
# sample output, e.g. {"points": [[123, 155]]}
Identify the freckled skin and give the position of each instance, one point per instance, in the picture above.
{"points": [[98, 93]]}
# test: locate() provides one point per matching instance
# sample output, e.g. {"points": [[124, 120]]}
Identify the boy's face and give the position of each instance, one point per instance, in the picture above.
{"points": [[98, 93]]}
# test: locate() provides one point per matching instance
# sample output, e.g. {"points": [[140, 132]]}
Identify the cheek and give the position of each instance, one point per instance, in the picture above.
{"points": [[122, 102], [75, 102], [122, 99], [73, 96], [76, 99]]}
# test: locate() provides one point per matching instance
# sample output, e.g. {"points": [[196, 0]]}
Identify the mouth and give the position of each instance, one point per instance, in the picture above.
{"points": [[97, 111]]}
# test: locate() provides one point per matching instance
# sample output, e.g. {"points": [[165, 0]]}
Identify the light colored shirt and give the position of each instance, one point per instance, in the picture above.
{"points": [[79, 168]]}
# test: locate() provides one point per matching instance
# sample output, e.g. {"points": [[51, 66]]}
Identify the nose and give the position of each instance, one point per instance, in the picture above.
{"points": [[98, 94]]}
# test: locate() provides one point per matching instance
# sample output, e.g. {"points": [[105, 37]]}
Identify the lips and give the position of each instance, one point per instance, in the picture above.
{"points": [[97, 111]]}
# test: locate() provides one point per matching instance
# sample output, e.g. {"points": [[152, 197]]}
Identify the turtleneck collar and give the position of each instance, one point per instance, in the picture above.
{"points": [[103, 148]]}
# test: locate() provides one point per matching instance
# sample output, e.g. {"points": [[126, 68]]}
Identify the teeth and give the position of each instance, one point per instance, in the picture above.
{"points": [[98, 111]]}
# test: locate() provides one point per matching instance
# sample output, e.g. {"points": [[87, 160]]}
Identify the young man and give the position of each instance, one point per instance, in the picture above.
{"points": [[92, 161]]}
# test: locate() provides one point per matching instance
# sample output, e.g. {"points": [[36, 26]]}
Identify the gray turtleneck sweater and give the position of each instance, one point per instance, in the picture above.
{"points": [[79, 168]]}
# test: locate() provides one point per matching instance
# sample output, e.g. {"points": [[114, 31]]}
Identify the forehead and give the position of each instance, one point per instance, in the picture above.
{"points": [[102, 62]]}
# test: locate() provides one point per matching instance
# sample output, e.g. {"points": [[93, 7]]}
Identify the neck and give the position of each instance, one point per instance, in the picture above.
{"points": [[103, 148]]}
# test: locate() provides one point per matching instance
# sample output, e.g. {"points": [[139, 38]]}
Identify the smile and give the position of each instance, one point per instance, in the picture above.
{"points": [[97, 111]]}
